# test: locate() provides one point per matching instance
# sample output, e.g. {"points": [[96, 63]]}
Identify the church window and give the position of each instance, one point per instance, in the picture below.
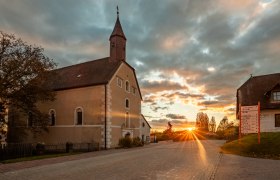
{"points": [[277, 120], [79, 116], [52, 115], [119, 82], [143, 124], [276, 96], [127, 103], [113, 44], [127, 86], [134, 90]]}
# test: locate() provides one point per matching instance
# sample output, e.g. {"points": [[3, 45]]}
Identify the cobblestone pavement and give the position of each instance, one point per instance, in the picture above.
{"points": [[234, 167], [167, 160]]}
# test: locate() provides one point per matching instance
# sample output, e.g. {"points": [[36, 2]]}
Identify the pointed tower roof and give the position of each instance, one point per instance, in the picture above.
{"points": [[118, 28]]}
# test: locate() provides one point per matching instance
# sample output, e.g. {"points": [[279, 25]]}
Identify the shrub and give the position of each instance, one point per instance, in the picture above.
{"points": [[40, 148], [125, 142], [137, 142]]}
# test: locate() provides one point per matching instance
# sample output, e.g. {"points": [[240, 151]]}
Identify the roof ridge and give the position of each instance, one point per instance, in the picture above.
{"points": [[265, 75], [82, 63]]}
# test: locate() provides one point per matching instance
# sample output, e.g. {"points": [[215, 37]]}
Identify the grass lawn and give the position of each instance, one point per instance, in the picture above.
{"points": [[248, 146], [37, 157]]}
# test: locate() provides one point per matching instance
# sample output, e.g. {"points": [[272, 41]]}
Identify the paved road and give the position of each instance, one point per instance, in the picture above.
{"points": [[187, 160], [180, 160]]}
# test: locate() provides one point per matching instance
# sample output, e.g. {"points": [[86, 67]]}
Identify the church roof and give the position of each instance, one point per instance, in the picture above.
{"points": [[256, 89], [118, 29], [90, 73]]}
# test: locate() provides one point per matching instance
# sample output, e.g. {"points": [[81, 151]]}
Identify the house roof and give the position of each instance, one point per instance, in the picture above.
{"points": [[145, 120], [118, 30], [256, 89], [95, 72]]}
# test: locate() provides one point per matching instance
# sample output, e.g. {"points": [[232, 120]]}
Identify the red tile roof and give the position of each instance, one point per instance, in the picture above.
{"points": [[90, 73]]}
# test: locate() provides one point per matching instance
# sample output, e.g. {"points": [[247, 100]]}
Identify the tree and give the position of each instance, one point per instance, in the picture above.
{"points": [[223, 125], [212, 124], [202, 121], [25, 80]]}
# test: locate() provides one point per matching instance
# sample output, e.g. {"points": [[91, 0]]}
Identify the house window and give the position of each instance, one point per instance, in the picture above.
{"points": [[119, 82], [277, 120], [127, 86], [143, 124], [127, 124], [52, 117], [134, 90], [276, 96], [79, 116], [127, 103]]}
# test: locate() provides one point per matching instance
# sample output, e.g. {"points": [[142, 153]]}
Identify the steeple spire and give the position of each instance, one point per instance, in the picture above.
{"points": [[117, 42]]}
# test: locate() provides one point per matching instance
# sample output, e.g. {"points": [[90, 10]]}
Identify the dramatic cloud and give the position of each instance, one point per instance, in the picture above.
{"points": [[188, 55]]}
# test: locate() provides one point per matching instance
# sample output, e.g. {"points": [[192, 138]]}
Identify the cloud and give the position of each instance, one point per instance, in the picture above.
{"points": [[175, 116], [183, 40]]}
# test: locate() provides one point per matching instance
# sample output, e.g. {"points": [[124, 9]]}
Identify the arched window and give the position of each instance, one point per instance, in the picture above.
{"points": [[52, 115], [79, 116], [127, 86], [127, 103]]}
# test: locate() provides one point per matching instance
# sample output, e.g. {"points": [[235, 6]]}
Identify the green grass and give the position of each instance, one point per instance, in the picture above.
{"points": [[31, 158], [248, 146]]}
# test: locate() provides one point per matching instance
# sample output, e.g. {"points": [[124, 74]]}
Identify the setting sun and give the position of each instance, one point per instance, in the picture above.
{"points": [[190, 128]]}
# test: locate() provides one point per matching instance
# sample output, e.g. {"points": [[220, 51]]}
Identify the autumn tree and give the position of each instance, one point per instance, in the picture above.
{"points": [[202, 121], [212, 124], [223, 125], [25, 80]]}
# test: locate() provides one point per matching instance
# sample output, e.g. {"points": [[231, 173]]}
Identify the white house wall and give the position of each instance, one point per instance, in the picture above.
{"points": [[268, 121]]}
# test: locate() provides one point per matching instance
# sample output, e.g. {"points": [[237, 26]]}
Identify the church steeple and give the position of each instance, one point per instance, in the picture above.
{"points": [[117, 42]]}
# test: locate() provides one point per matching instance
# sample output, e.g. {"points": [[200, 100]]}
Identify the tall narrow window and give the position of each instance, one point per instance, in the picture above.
{"points": [[127, 86], [119, 82], [127, 124], [277, 120], [126, 103], [79, 116], [52, 117]]}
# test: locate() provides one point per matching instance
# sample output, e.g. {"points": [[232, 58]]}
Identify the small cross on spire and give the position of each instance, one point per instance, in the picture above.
{"points": [[118, 11]]}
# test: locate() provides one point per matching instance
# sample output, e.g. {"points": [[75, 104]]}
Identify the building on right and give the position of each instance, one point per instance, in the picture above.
{"points": [[145, 129], [266, 90]]}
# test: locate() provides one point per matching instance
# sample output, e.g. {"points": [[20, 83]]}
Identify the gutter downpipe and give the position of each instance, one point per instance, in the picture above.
{"points": [[105, 129]]}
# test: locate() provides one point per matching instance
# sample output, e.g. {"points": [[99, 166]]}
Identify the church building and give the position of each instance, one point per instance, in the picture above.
{"points": [[96, 101]]}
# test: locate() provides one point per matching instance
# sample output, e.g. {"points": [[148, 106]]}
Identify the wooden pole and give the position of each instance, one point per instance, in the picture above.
{"points": [[259, 122]]}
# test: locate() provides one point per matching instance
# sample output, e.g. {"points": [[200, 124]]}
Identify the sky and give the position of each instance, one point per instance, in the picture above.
{"points": [[190, 56]]}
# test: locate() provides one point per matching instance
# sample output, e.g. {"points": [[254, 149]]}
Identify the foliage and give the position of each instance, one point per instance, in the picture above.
{"points": [[202, 121], [248, 146], [136, 142], [25, 79], [212, 124], [125, 142], [227, 130]]}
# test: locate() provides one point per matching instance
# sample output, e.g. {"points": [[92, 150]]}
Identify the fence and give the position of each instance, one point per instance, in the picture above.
{"points": [[15, 150]]}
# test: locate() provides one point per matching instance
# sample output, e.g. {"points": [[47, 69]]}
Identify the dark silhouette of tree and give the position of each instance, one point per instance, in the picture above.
{"points": [[25, 80]]}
